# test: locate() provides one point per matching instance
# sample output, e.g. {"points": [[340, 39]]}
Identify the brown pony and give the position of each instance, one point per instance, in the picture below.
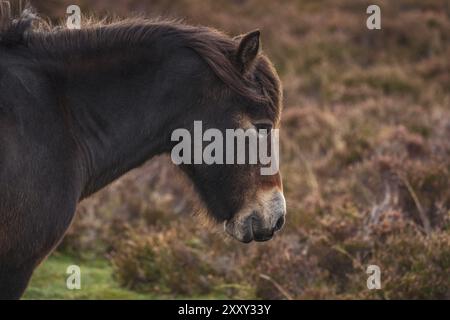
{"points": [[80, 108]]}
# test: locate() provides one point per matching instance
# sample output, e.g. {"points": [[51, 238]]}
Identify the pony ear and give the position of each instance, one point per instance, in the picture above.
{"points": [[248, 50]]}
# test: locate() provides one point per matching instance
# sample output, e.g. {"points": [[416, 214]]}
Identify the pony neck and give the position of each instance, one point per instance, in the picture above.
{"points": [[123, 115]]}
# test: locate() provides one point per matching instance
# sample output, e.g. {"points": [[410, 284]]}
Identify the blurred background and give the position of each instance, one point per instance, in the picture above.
{"points": [[365, 160]]}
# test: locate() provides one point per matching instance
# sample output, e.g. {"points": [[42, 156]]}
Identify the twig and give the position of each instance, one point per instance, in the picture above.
{"points": [[355, 262], [341, 250], [423, 216], [276, 285]]}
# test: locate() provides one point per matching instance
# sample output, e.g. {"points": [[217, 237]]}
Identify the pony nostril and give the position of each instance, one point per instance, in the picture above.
{"points": [[280, 223]]}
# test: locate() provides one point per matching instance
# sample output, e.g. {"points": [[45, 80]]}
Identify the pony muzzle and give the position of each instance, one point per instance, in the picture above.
{"points": [[259, 222]]}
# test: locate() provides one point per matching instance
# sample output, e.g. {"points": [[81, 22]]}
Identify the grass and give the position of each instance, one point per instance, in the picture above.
{"points": [[49, 281], [97, 282]]}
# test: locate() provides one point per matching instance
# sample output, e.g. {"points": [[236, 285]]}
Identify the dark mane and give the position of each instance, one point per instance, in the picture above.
{"points": [[217, 49], [15, 21]]}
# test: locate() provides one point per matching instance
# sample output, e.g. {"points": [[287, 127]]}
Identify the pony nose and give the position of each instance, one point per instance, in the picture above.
{"points": [[262, 223], [279, 224], [261, 230]]}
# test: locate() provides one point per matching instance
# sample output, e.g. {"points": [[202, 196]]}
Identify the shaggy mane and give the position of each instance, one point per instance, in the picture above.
{"points": [[39, 37]]}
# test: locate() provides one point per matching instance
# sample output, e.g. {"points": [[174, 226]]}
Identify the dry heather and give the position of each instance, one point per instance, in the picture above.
{"points": [[365, 159]]}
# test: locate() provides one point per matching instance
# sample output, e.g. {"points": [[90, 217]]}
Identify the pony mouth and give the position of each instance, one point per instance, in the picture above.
{"points": [[248, 230], [238, 231], [258, 224]]}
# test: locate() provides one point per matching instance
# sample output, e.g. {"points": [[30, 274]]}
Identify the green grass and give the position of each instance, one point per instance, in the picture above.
{"points": [[49, 281]]}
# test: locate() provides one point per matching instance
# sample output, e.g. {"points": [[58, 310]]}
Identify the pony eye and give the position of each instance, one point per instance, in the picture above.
{"points": [[263, 126]]}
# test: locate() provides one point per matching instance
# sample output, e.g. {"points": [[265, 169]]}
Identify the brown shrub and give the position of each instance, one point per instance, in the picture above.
{"points": [[163, 262], [413, 267]]}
